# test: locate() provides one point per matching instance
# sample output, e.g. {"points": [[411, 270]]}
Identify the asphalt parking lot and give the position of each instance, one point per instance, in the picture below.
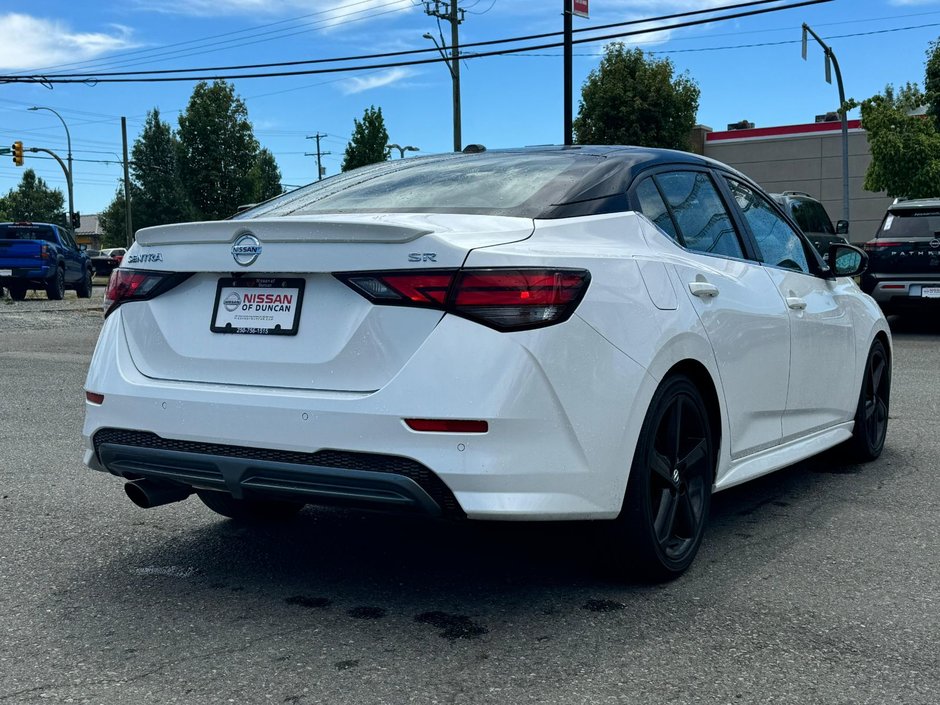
{"points": [[818, 584]]}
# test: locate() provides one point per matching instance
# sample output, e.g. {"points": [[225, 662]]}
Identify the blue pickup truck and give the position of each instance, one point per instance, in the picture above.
{"points": [[42, 256]]}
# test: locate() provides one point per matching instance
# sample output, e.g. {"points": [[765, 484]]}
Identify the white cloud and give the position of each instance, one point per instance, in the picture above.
{"points": [[42, 43], [320, 13], [358, 84]]}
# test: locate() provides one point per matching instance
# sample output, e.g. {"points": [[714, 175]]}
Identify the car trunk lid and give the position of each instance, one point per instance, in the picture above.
{"points": [[341, 343]]}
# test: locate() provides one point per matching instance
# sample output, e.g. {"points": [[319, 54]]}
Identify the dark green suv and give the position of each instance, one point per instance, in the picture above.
{"points": [[813, 220]]}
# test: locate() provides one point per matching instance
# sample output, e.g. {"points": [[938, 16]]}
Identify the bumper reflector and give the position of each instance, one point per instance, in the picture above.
{"points": [[94, 397], [447, 426]]}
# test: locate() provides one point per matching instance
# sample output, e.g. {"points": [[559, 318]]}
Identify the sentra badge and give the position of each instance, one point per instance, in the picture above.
{"points": [[246, 249]]}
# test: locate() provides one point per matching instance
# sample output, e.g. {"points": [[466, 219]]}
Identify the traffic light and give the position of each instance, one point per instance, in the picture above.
{"points": [[18, 153], [76, 219]]}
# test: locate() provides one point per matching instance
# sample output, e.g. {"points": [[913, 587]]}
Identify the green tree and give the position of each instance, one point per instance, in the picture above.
{"points": [[265, 177], [932, 82], [632, 98], [904, 143], [217, 151], [158, 194], [34, 201], [369, 143], [111, 219]]}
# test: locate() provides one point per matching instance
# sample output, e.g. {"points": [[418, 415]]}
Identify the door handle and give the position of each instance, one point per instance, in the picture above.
{"points": [[703, 290], [796, 303]]}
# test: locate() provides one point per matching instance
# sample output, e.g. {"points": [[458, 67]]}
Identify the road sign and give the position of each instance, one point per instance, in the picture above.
{"points": [[580, 8]]}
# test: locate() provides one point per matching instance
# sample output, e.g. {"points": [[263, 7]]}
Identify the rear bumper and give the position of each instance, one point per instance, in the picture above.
{"points": [[326, 477], [900, 290], [561, 428], [28, 275]]}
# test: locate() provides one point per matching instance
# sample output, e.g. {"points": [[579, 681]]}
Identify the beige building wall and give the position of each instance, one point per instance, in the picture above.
{"points": [[810, 162]]}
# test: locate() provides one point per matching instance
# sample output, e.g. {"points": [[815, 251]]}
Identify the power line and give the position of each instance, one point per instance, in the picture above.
{"points": [[163, 78], [253, 29], [386, 55], [757, 45]]}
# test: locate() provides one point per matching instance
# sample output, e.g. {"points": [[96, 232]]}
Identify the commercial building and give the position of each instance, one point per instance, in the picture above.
{"points": [[804, 158]]}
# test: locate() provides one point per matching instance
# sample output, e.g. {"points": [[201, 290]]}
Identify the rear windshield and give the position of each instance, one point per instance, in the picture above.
{"points": [[925, 223], [811, 217], [27, 232], [490, 184]]}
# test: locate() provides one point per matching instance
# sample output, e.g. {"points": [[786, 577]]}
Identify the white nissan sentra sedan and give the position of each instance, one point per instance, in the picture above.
{"points": [[609, 333]]}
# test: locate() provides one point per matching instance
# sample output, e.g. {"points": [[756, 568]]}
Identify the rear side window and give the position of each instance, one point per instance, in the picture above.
{"points": [[703, 220], [654, 208], [811, 216], [914, 223]]}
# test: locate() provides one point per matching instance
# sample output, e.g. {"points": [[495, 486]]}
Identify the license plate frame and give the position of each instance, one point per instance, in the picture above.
{"points": [[930, 292], [265, 317]]}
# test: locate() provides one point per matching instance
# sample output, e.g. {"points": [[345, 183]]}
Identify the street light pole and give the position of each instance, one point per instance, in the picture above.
{"points": [[402, 150], [455, 76], [68, 175], [831, 57]]}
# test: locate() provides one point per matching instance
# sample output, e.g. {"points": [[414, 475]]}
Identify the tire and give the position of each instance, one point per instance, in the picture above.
{"points": [[17, 291], [249, 509], [660, 527], [871, 414], [55, 288], [83, 290]]}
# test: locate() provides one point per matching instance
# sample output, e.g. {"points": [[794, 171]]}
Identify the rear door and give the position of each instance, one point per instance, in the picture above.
{"points": [[737, 303], [74, 260]]}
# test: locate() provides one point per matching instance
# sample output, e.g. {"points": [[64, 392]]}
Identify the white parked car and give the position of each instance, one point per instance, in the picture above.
{"points": [[607, 333]]}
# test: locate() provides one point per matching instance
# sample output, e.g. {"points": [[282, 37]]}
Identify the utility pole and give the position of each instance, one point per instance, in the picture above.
{"points": [[568, 10], [831, 57], [569, 92], [128, 223], [317, 137], [450, 12]]}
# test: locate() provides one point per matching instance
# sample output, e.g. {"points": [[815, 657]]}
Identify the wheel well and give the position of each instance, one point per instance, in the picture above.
{"points": [[696, 371]]}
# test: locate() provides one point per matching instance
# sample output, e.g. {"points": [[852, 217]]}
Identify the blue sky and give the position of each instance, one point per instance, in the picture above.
{"points": [[507, 101]]}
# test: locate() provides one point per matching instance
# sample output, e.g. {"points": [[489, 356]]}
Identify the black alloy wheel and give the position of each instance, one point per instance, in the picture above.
{"points": [[55, 289], [669, 491], [871, 416]]}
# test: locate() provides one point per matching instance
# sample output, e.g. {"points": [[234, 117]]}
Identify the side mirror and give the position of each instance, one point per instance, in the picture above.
{"points": [[846, 260], [842, 227]]}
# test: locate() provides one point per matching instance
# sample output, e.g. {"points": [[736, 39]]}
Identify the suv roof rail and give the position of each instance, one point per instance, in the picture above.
{"points": [[796, 193]]}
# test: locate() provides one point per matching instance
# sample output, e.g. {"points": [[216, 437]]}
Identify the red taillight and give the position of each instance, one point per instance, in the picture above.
{"points": [[94, 397], [44, 252], [504, 299], [447, 426], [137, 285]]}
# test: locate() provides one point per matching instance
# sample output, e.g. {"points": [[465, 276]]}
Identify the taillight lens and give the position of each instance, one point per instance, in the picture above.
{"points": [[875, 244], [138, 285], [504, 299]]}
